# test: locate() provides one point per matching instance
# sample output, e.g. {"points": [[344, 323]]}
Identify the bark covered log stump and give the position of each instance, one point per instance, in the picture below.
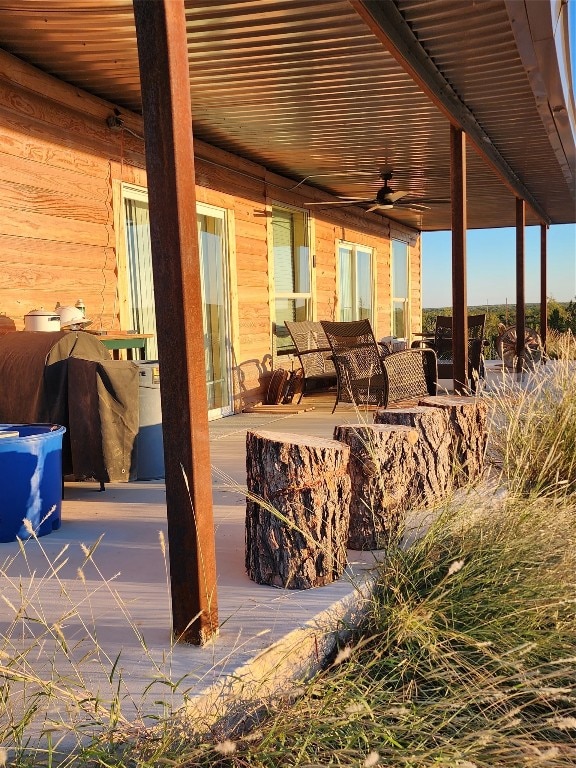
{"points": [[297, 509], [382, 465], [433, 476], [467, 417]]}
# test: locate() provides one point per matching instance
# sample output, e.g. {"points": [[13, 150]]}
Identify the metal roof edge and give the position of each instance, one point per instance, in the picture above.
{"points": [[543, 46], [387, 23]]}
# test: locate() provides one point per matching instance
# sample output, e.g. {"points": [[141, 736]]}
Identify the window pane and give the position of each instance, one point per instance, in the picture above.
{"points": [[214, 308], [291, 252], [283, 245], [399, 319], [291, 271], [363, 285], [345, 294], [301, 253], [139, 257], [288, 309], [399, 269]]}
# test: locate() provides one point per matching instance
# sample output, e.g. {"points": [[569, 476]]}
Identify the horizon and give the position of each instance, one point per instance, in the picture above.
{"points": [[511, 305]]}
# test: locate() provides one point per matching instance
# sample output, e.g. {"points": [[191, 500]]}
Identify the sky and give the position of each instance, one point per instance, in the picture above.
{"points": [[491, 266], [491, 255]]}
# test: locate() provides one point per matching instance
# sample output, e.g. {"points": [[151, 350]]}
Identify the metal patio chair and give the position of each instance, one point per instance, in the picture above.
{"points": [[442, 345], [313, 351], [366, 377]]}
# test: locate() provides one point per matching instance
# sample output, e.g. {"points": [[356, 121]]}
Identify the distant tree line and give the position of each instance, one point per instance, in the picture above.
{"points": [[561, 317]]}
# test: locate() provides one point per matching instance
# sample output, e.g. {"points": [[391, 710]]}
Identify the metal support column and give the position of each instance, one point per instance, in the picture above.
{"points": [[459, 296], [543, 284], [520, 284], [165, 84]]}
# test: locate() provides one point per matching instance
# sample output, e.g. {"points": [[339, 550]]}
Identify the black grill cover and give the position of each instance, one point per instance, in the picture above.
{"points": [[68, 378]]}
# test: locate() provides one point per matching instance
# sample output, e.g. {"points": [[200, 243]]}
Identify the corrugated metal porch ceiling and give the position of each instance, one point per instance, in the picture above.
{"points": [[306, 89]]}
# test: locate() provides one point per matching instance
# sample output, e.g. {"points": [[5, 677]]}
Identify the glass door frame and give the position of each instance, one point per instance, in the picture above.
{"points": [[122, 191], [213, 211], [404, 300]]}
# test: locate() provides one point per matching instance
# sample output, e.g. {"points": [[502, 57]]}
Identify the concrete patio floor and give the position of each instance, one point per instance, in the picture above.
{"points": [[115, 616], [102, 623]]}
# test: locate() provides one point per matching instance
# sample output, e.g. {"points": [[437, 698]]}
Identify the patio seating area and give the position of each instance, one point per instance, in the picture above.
{"points": [[368, 374]]}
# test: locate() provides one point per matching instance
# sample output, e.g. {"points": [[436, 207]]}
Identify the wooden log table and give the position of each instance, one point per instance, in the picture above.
{"points": [[297, 509], [433, 475], [382, 465], [467, 419]]}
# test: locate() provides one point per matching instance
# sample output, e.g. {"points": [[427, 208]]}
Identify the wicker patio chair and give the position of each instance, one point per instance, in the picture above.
{"points": [[313, 351], [442, 345], [411, 374], [365, 377]]}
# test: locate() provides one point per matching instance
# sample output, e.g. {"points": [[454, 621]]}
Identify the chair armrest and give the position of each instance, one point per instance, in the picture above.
{"points": [[314, 351], [422, 344]]}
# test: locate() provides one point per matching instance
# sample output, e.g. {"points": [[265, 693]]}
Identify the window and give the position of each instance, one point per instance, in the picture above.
{"points": [[355, 284], [400, 285], [292, 278]]}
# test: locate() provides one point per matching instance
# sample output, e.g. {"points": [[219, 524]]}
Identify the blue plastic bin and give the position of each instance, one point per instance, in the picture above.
{"points": [[30, 479]]}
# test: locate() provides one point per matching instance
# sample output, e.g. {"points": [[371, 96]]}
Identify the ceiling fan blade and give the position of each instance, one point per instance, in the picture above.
{"points": [[425, 200], [414, 207], [393, 196], [335, 173]]}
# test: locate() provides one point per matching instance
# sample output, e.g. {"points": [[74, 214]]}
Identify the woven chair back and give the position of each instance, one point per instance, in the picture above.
{"points": [[356, 355], [312, 348]]}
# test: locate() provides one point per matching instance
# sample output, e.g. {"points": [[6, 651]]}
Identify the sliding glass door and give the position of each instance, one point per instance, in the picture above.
{"points": [[213, 247], [215, 309]]}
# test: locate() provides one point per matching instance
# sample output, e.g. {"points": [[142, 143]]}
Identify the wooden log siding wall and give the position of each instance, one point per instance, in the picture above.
{"points": [[59, 229], [58, 159]]}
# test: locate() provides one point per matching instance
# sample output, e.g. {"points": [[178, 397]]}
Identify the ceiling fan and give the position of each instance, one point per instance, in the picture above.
{"points": [[386, 199]]}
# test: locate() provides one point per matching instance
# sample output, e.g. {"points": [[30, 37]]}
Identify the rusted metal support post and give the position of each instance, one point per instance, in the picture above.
{"points": [[165, 83], [543, 284], [520, 284], [459, 296]]}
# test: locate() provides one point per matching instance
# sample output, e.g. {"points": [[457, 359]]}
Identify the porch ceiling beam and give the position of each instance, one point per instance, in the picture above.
{"points": [[164, 76], [390, 27], [459, 297]]}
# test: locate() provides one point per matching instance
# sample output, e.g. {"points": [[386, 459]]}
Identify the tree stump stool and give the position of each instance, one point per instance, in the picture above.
{"points": [[297, 510], [433, 475], [382, 464], [467, 418]]}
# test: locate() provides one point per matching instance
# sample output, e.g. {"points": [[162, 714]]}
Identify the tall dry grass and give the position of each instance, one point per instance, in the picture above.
{"points": [[467, 660], [533, 428]]}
